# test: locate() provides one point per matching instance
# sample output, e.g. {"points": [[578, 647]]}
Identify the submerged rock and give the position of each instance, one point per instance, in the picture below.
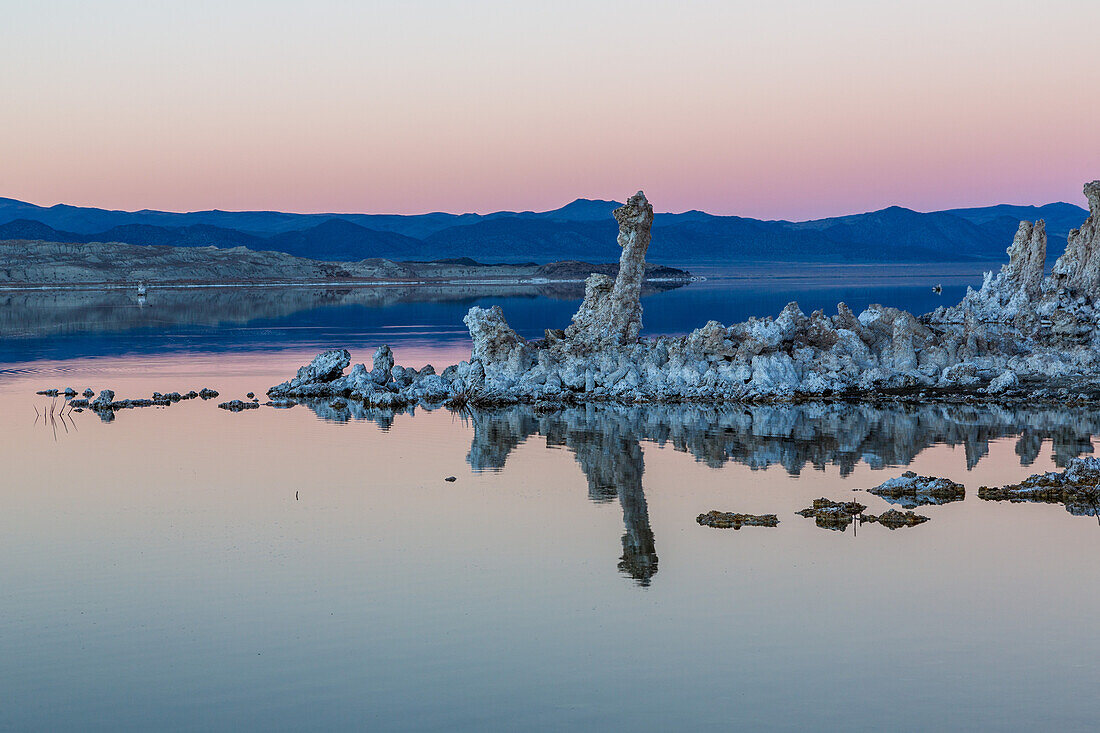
{"points": [[910, 490], [728, 520]]}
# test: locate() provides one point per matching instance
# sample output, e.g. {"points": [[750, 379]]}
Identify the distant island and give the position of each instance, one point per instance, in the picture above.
{"points": [[34, 264], [582, 230]]}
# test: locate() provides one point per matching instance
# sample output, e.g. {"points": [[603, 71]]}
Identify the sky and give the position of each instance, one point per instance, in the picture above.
{"points": [[774, 109]]}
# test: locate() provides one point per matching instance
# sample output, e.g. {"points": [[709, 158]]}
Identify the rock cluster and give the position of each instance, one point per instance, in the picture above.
{"points": [[829, 514], [1020, 332], [105, 404], [384, 385], [837, 515]]}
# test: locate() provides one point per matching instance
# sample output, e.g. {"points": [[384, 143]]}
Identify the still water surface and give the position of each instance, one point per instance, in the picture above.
{"points": [[309, 569]]}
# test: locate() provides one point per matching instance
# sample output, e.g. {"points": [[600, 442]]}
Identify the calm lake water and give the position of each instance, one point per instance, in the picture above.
{"points": [[186, 568]]}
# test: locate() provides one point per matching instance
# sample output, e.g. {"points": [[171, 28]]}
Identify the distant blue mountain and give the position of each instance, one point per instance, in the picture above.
{"points": [[582, 229]]}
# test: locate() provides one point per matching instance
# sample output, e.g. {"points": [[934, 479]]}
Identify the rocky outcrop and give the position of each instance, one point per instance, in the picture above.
{"points": [[1019, 335], [325, 367]]}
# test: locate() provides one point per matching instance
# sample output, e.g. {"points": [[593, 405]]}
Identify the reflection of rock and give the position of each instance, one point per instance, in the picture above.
{"points": [[1077, 488], [797, 436], [829, 514], [728, 520], [910, 490], [608, 452]]}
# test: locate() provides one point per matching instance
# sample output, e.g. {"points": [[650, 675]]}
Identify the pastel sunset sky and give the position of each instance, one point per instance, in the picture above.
{"points": [[775, 109]]}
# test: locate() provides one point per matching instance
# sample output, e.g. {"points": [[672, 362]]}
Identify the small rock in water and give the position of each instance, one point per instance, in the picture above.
{"points": [[47, 392], [910, 490], [89, 393], [70, 392], [250, 395], [103, 402], [451, 479], [728, 520], [208, 394], [893, 519]]}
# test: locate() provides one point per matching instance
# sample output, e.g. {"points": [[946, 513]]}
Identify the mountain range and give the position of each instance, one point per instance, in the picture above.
{"points": [[583, 229]]}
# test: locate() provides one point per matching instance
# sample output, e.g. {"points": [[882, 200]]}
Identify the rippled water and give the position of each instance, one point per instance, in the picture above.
{"points": [[310, 568]]}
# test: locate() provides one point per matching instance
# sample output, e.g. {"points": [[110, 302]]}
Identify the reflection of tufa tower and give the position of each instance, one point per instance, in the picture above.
{"points": [[612, 461], [609, 454]]}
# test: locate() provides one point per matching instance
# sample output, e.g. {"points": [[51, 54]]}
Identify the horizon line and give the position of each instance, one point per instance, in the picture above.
{"points": [[523, 211]]}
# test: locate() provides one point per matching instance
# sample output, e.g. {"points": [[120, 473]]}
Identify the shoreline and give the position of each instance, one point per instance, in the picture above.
{"points": [[319, 283]]}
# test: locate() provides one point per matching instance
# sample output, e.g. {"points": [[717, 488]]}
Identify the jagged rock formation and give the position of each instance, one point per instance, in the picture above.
{"points": [[1027, 257], [1078, 270], [611, 314], [1016, 336]]}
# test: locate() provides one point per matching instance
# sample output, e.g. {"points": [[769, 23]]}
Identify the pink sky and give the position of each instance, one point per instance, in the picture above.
{"points": [[792, 110]]}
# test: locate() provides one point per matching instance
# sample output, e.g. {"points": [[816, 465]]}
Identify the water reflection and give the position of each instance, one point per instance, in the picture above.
{"points": [[51, 312], [606, 441]]}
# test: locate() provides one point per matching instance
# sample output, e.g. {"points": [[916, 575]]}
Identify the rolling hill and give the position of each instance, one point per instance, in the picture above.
{"points": [[583, 230]]}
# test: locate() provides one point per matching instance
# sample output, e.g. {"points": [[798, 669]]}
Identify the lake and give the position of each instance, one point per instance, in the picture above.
{"points": [[187, 568]]}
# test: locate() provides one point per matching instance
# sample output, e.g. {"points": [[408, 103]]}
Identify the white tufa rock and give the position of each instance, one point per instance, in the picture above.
{"points": [[1018, 331], [611, 314]]}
